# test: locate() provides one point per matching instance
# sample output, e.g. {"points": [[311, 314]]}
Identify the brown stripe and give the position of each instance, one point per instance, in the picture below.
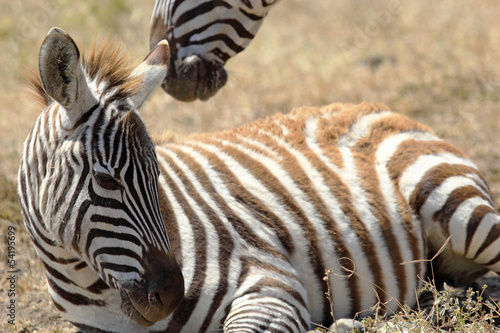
{"points": [[226, 243], [455, 199], [256, 147], [406, 154], [241, 227], [260, 315], [274, 185], [493, 235], [170, 219], [364, 153], [268, 282], [57, 305], [239, 192], [182, 314], [433, 178], [301, 180], [477, 216], [375, 199], [415, 237], [365, 150], [493, 261], [342, 193], [325, 130], [409, 151], [247, 263]]}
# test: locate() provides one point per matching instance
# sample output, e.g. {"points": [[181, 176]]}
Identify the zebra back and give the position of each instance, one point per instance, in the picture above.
{"points": [[276, 203]]}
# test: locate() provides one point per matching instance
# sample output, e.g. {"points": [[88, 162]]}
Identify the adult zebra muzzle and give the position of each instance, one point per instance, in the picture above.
{"points": [[158, 294], [194, 78]]}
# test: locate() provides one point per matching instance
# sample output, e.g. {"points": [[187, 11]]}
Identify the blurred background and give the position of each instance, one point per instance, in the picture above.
{"points": [[435, 61]]}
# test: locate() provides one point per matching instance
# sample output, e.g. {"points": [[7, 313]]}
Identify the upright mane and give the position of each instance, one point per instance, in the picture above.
{"points": [[106, 65]]}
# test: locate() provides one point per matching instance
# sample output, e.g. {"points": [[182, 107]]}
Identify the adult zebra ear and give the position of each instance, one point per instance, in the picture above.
{"points": [[153, 71], [62, 75]]}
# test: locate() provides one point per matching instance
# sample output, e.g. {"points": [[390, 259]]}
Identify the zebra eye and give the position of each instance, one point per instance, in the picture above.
{"points": [[107, 181]]}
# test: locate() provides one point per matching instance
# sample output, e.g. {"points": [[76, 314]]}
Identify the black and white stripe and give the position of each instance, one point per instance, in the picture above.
{"points": [[88, 185], [216, 30], [254, 216], [203, 35]]}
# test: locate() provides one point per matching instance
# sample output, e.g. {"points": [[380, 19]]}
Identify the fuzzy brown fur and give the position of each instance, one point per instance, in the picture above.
{"points": [[106, 64]]}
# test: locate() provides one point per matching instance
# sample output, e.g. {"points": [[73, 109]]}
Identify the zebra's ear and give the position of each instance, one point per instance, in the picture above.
{"points": [[153, 71], [62, 75], [158, 30]]}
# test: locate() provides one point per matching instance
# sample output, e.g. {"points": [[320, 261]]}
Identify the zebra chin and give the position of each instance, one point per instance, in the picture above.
{"points": [[157, 296], [194, 78]]}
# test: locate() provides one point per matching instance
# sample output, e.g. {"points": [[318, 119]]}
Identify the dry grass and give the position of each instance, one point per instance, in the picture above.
{"points": [[434, 61], [449, 310]]}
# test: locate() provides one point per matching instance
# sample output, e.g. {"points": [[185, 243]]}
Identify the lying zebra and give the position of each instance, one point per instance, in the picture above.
{"points": [[233, 231]]}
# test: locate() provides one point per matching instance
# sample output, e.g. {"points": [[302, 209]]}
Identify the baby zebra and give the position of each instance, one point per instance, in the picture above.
{"points": [[254, 215]]}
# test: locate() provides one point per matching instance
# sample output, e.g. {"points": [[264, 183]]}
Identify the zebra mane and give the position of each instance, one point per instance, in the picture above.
{"points": [[109, 65], [35, 88], [106, 65]]}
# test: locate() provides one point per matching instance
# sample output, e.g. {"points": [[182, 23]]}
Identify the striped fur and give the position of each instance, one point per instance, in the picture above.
{"points": [[203, 35], [88, 188], [273, 204], [256, 215]]}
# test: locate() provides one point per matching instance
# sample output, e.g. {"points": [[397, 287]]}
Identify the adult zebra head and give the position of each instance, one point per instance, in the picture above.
{"points": [[203, 35], [88, 186]]}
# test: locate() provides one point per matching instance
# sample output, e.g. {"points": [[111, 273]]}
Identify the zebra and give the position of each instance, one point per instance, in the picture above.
{"points": [[88, 188], [203, 35], [253, 216]]}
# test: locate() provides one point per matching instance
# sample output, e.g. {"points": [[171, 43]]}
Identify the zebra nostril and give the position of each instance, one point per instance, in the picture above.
{"points": [[159, 298]]}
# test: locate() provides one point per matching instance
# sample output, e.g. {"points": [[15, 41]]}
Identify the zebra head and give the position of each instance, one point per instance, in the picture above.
{"points": [[203, 35], [88, 184]]}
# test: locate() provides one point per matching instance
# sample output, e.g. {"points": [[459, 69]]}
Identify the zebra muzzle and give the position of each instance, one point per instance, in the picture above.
{"points": [[156, 297], [194, 78], [144, 308]]}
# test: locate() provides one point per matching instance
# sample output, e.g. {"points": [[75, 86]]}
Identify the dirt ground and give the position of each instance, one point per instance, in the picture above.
{"points": [[434, 61]]}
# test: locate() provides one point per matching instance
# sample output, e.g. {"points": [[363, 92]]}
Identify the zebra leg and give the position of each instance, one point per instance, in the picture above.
{"points": [[254, 312], [453, 201]]}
